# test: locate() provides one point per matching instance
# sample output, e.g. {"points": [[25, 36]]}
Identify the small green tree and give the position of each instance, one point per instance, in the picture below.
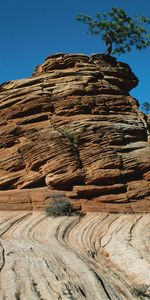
{"points": [[119, 31], [146, 107]]}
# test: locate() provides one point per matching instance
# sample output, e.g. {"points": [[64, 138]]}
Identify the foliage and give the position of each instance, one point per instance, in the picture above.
{"points": [[69, 133], [119, 30], [141, 291], [146, 107], [58, 205]]}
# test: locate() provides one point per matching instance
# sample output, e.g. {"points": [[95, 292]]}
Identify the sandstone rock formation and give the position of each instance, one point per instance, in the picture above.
{"points": [[74, 127], [99, 257]]}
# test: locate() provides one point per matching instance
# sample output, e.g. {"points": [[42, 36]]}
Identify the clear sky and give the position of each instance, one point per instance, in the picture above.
{"points": [[30, 30]]}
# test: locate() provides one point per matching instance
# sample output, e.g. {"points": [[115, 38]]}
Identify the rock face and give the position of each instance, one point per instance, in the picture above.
{"points": [[74, 127], [98, 257]]}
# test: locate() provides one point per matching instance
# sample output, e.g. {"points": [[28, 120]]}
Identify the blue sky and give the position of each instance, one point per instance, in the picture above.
{"points": [[30, 30]]}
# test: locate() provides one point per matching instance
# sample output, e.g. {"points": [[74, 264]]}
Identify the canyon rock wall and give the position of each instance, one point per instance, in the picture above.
{"points": [[74, 128]]}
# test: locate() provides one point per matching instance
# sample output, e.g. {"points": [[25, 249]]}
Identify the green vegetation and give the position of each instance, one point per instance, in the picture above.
{"points": [[58, 205], [69, 133], [141, 291], [146, 107], [119, 31]]}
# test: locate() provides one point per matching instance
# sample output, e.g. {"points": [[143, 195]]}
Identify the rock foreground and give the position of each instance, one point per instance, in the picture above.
{"points": [[73, 127], [98, 257]]}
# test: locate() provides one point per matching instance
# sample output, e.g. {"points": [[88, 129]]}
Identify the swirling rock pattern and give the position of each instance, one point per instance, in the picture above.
{"points": [[97, 257], [73, 126]]}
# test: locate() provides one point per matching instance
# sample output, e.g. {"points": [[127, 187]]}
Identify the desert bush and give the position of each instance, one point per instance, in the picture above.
{"points": [[69, 133], [141, 291], [58, 205]]}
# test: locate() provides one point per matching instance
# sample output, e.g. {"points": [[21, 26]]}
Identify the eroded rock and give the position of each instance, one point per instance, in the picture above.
{"points": [[73, 126]]}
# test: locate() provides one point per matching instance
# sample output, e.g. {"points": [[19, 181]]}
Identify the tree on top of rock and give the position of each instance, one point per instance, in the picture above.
{"points": [[146, 107], [119, 31]]}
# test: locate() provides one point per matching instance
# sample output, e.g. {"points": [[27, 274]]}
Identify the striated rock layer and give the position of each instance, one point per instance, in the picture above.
{"points": [[74, 127], [98, 257]]}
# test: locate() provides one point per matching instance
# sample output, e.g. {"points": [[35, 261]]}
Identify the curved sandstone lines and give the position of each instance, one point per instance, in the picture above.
{"points": [[91, 230], [83, 279], [119, 245], [111, 245], [101, 256], [38, 267]]}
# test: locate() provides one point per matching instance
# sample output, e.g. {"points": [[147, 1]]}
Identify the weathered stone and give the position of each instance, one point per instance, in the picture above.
{"points": [[74, 127], [91, 191], [98, 257]]}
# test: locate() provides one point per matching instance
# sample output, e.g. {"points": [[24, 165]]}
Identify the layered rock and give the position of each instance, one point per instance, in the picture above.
{"points": [[74, 127], [99, 257]]}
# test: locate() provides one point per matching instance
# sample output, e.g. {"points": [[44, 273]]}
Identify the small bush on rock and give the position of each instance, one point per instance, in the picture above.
{"points": [[59, 205], [70, 134], [141, 291]]}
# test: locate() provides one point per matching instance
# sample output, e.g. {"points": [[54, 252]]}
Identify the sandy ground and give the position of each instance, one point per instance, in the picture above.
{"points": [[97, 257]]}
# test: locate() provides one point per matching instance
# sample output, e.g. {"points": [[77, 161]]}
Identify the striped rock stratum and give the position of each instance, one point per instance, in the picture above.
{"points": [[98, 257], [74, 128]]}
